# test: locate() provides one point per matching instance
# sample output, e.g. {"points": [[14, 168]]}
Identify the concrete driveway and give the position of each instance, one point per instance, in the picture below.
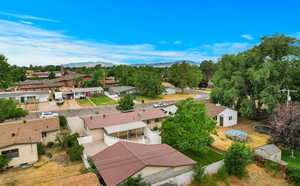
{"points": [[47, 106], [75, 125]]}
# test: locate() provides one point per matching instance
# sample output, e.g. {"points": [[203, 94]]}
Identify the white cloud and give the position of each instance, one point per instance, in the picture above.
{"points": [[27, 17], [177, 42], [226, 48], [27, 22], [247, 36]]}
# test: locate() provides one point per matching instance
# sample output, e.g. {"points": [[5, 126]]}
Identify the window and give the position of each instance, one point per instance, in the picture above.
{"points": [[148, 121], [230, 118], [11, 153], [157, 120], [215, 118], [44, 134]]}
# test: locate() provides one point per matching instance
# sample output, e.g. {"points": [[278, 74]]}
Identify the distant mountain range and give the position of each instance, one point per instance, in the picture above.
{"points": [[109, 64], [166, 64], [89, 64]]}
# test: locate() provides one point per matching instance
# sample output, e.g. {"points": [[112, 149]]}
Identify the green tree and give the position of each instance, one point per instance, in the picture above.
{"points": [[124, 74], [9, 110], [237, 157], [190, 128], [184, 75], [126, 103], [250, 81], [62, 121], [148, 84], [4, 162], [74, 152], [6, 79], [208, 68], [41, 149], [95, 81], [135, 181], [51, 75]]}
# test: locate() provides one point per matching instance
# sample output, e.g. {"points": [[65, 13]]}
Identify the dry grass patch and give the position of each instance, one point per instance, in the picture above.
{"points": [[178, 96], [84, 102], [49, 171], [255, 139]]}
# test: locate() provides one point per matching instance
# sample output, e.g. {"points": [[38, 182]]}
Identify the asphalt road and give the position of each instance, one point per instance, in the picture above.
{"points": [[101, 109]]}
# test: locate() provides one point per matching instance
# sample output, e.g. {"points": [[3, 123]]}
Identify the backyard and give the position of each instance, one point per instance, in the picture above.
{"points": [[45, 172], [103, 100], [177, 96], [255, 139], [205, 158]]}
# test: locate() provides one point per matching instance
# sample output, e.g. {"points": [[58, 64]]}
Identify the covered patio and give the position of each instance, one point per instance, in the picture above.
{"points": [[129, 131]]}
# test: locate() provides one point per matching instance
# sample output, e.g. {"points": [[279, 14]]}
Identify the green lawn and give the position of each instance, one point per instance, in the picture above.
{"points": [[205, 158], [103, 100], [84, 102], [292, 162]]}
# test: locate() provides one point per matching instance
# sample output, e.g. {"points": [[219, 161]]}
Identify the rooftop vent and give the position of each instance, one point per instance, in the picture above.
{"points": [[104, 115]]}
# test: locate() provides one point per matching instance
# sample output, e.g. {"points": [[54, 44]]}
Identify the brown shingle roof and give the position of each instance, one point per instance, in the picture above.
{"points": [[122, 160], [117, 118], [213, 109], [89, 179], [20, 132]]}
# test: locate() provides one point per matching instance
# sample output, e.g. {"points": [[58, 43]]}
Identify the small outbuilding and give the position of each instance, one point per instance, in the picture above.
{"points": [[224, 116], [270, 152]]}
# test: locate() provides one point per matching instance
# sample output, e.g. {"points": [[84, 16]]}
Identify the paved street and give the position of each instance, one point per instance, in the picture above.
{"points": [[107, 108]]}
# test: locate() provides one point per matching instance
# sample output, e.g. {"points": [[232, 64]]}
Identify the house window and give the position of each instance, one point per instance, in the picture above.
{"points": [[44, 134], [215, 118], [157, 120], [11, 153], [148, 121], [230, 118]]}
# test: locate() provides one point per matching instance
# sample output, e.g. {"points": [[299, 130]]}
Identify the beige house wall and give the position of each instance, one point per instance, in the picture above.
{"points": [[51, 136], [27, 154], [97, 134], [147, 171]]}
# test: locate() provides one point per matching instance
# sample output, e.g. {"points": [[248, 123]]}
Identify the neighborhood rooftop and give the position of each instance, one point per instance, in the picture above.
{"points": [[15, 94], [118, 118], [213, 109], [122, 160], [122, 88], [26, 131]]}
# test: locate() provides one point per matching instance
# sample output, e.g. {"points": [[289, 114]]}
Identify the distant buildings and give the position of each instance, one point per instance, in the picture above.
{"points": [[26, 97], [122, 90]]}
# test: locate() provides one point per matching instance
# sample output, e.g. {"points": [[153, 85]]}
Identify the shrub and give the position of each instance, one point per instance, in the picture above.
{"points": [[4, 162], [75, 152], [237, 157], [62, 122], [50, 144], [41, 149], [222, 174], [272, 166], [70, 140], [293, 175], [49, 154], [199, 177]]}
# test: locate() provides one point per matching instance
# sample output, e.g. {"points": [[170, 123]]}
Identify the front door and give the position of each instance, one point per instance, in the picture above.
{"points": [[221, 121]]}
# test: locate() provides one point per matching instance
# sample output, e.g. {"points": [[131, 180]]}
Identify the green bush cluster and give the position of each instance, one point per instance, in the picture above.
{"points": [[74, 150], [62, 122], [41, 149], [293, 175]]}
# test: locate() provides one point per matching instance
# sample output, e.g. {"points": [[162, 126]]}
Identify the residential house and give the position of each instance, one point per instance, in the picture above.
{"points": [[109, 128], [109, 82], [156, 163], [224, 116], [19, 139], [31, 73], [82, 92], [169, 88], [122, 90], [270, 152], [26, 97]]}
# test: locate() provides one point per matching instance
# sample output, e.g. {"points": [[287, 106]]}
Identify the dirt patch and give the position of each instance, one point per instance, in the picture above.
{"points": [[45, 172], [178, 96], [255, 139]]}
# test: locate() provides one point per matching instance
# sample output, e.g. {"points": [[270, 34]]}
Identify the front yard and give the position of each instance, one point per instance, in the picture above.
{"points": [[45, 172], [255, 139], [103, 100], [178, 96], [84, 102]]}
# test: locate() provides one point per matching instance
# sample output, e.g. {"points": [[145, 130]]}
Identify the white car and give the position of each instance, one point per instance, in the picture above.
{"points": [[48, 114], [160, 104]]}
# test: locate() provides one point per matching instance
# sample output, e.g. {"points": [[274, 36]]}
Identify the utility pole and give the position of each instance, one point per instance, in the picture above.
{"points": [[288, 95]]}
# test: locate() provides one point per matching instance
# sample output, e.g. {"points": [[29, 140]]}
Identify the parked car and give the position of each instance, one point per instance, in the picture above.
{"points": [[160, 104], [48, 114]]}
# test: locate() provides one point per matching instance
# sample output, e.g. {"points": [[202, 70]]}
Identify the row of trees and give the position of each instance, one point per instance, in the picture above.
{"points": [[251, 81]]}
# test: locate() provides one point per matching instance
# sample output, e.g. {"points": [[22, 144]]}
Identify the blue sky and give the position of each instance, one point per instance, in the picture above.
{"points": [[138, 31]]}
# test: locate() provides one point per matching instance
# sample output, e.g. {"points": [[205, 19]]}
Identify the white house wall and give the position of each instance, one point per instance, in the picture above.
{"points": [[226, 114]]}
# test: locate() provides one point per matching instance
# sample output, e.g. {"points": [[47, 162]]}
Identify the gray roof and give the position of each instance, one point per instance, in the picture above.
{"points": [[121, 88], [17, 94], [269, 149]]}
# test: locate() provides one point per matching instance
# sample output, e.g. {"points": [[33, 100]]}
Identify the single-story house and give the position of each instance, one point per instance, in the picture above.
{"points": [[224, 116], [169, 91], [88, 179], [26, 97], [82, 92], [270, 152], [19, 139], [122, 125], [155, 163], [122, 90]]}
